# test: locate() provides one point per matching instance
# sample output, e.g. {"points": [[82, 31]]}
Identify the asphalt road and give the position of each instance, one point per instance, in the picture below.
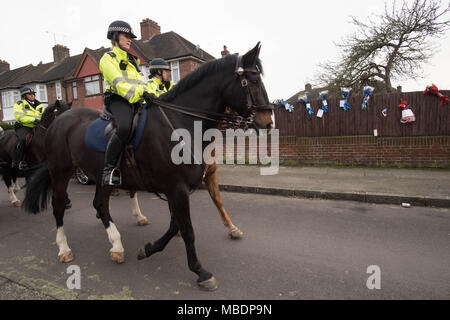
{"points": [[292, 249]]}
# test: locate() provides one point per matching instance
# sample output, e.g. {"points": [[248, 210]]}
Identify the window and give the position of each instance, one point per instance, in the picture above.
{"points": [[175, 66], [58, 91], [42, 92], [92, 85], [74, 90], [9, 98]]}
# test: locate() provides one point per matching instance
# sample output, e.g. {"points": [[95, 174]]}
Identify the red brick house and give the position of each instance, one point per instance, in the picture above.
{"points": [[78, 79]]}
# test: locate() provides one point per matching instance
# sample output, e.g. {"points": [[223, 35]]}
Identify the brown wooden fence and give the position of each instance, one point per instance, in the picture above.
{"points": [[432, 119]]}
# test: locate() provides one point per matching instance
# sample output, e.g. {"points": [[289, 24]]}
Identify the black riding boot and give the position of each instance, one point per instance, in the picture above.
{"points": [[111, 174], [19, 155]]}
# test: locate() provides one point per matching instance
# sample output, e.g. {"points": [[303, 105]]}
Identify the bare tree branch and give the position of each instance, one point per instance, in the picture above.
{"points": [[394, 45]]}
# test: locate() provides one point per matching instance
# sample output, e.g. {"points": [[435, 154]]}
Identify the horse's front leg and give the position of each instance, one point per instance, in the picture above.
{"points": [[11, 185], [101, 204], [179, 207], [212, 183], [141, 219]]}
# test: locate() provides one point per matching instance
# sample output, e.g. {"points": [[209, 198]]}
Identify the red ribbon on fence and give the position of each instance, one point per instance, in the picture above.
{"points": [[433, 89]]}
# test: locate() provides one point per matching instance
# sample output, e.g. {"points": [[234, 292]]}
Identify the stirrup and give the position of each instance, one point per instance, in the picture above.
{"points": [[112, 178], [22, 165]]}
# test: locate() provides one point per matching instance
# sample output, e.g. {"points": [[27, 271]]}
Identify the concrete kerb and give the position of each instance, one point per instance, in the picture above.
{"points": [[418, 201]]}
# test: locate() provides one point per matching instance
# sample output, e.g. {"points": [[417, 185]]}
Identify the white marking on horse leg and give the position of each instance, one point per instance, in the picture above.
{"points": [[114, 238], [16, 186], [12, 197], [61, 241], [141, 219]]}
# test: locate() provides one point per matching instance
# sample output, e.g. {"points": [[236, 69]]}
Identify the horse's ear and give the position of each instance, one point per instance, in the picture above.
{"points": [[252, 56], [57, 103]]}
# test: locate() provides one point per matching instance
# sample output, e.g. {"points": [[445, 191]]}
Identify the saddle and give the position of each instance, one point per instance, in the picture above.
{"points": [[100, 131]]}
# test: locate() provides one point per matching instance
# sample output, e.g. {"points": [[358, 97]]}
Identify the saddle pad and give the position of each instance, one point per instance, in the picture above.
{"points": [[95, 134]]}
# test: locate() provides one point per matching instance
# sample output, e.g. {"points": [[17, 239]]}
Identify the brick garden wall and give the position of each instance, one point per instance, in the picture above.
{"points": [[359, 150]]}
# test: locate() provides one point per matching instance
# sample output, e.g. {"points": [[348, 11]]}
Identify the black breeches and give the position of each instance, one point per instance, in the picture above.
{"points": [[123, 113], [19, 150], [22, 133]]}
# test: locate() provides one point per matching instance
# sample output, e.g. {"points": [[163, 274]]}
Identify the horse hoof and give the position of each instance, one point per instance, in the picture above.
{"points": [[143, 222], [66, 257], [236, 234], [141, 254], [117, 257], [17, 203], [209, 285]]}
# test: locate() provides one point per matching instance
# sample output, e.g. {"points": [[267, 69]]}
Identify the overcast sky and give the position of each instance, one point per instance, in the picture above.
{"points": [[296, 35]]}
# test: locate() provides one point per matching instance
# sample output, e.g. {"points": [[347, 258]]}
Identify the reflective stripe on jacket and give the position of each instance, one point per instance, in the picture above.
{"points": [[157, 84], [25, 114], [128, 83]]}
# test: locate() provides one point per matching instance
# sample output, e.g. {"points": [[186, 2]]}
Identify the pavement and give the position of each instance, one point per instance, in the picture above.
{"points": [[417, 187]]}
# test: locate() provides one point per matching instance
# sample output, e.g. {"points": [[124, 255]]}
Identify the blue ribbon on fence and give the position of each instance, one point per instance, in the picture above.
{"points": [[305, 101], [324, 96], [286, 105], [367, 92], [345, 94]]}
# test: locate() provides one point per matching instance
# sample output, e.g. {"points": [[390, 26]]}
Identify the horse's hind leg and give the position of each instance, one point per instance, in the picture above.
{"points": [[101, 204], [141, 219], [212, 183], [59, 186]]}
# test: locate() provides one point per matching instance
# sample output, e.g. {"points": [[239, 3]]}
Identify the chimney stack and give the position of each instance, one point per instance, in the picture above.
{"points": [[225, 52], [399, 89], [149, 28], [60, 53], [308, 87], [4, 66]]}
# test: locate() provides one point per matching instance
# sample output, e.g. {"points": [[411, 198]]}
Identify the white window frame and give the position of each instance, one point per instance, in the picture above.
{"points": [[92, 80], [58, 90], [74, 91], [175, 73]]}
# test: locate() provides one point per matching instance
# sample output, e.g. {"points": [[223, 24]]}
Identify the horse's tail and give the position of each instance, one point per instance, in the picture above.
{"points": [[37, 192]]}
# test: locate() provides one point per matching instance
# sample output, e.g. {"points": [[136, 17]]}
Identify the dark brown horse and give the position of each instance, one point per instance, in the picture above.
{"points": [[35, 149], [231, 81]]}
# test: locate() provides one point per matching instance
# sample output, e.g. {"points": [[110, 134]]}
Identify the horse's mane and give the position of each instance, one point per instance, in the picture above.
{"points": [[62, 106], [205, 69]]}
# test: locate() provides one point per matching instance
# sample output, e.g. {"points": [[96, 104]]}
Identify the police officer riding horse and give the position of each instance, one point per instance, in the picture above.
{"points": [[28, 113], [125, 93]]}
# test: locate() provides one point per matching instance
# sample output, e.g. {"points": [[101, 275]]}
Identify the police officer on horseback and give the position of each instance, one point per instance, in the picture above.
{"points": [[28, 113], [125, 92], [159, 69]]}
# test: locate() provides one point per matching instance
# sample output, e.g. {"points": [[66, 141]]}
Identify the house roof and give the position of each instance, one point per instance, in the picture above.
{"points": [[39, 74], [169, 45], [10, 78], [312, 94], [62, 70]]}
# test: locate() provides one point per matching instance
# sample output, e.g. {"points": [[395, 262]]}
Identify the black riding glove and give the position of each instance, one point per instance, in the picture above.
{"points": [[36, 122], [149, 97]]}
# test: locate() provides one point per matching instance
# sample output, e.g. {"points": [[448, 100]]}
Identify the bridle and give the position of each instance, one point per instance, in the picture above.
{"points": [[228, 120]]}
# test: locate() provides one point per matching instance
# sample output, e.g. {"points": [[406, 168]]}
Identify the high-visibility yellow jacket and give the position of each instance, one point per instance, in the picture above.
{"points": [[122, 76], [157, 84], [25, 114]]}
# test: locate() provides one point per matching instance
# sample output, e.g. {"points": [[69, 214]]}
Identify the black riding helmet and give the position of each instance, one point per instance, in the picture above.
{"points": [[119, 27], [25, 90], [158, 64]]}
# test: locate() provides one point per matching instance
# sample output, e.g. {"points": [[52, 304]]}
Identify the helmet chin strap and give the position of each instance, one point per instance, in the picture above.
{"points": [[116, 39]]}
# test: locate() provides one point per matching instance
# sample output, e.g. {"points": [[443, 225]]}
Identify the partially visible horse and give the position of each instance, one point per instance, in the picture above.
{"points": [[231, 81], [34, 150]]}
